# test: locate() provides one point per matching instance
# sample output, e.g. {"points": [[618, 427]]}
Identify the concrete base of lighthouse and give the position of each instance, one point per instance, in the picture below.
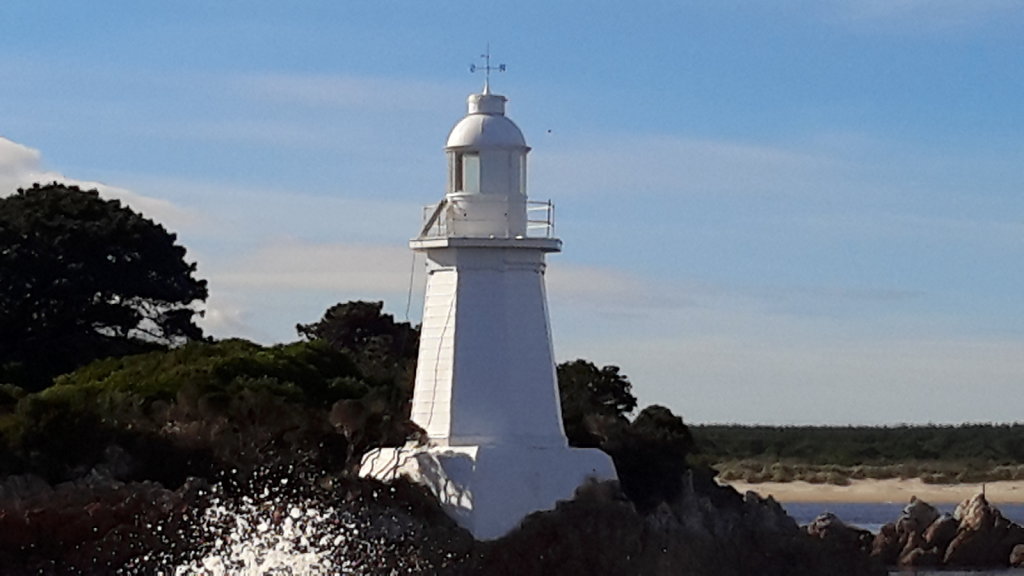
{"points": [[489, 489]]}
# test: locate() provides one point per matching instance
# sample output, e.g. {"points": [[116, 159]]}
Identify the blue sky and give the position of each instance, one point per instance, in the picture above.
{"points": [[786, 212]]}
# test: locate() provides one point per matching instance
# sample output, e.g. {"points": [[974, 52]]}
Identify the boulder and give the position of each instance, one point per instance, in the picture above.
{"points": [[912, 542], [921, 558], [905, 542], [1017, 556], [941, 532], [984, 537], [918, 515], [886, 545], [975, 536], [830, 528]]}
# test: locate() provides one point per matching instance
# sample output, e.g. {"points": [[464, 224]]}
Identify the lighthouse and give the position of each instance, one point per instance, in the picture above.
{"points": [[486, 392]]}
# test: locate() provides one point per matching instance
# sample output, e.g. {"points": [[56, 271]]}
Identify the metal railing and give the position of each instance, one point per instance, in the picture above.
{"points": [[540, 220], [434, 223]]}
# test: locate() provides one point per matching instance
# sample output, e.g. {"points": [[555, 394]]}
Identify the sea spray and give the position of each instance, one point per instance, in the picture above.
{"points": [[264, 535], [289, 528]]}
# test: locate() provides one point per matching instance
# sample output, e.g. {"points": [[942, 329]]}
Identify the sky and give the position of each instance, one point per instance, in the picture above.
{"points": [[778, 212]]}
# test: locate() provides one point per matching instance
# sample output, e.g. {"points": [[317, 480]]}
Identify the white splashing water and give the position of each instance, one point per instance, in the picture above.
{"points": [[269, 536]]}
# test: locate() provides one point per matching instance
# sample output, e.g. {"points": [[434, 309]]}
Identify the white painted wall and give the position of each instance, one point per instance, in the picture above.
{"points": [[489, 489], [486, 367]]}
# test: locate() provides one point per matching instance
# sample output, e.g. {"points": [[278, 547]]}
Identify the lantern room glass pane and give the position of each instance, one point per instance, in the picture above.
{"points": [[471, 173], [519, 169], [454, 172]]}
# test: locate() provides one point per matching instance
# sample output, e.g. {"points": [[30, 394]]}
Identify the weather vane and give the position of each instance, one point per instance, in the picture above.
{"points": [[487, 69]]}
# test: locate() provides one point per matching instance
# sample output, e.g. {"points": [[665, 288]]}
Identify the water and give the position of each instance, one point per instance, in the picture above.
{"points": [[257, 536], [276, 531]]}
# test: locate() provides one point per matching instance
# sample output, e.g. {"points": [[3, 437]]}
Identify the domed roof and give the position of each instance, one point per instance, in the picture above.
{"points": [[486, 125]]}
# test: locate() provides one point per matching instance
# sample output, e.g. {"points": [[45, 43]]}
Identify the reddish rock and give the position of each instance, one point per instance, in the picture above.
{"points": [[918, 515], [886, 546], [1017, 556], [904, 542], [941, 532], [830, 528], [984, 538], [921, 558], [911, 541]]}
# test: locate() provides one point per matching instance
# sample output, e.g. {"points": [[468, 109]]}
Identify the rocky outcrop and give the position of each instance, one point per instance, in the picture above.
{"points": [[707, 530], [976, 535], [984, 537], [94, 525], [912, 540], [99, 525], [829, 527]]}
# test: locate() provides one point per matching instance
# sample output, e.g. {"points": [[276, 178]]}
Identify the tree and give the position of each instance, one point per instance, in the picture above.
{"points": [[594, 400], [650, 453], [229, 405], [650, 456], [86, 278], [384, 350]]}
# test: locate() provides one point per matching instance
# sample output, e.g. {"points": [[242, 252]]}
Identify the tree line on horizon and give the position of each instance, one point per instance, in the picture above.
{"points": [[989, 444]]}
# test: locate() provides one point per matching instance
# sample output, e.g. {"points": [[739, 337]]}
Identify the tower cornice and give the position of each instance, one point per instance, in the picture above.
{"points": [[440, 242]]}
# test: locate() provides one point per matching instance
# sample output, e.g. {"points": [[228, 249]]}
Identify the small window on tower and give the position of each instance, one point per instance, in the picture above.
{"points": [[456, 172], [470, 173], [519, 173]]}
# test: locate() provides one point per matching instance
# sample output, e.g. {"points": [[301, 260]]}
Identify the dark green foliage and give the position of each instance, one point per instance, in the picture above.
{"points": [[853, 446], [224, 405], [306, 372], [650, 453], [650, 456], [9, 396], [384, 350], [385, 353], [86, 278], [594, 401], [939, 454]]}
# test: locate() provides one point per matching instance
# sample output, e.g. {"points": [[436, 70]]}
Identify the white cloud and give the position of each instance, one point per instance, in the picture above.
{"points": [[21, 166], [728, 364], [303, 272], [16, 158], [240, 216], [223, 317], [296, 265], [263, 294], [597, 286], [632, 167], [784, 355]]}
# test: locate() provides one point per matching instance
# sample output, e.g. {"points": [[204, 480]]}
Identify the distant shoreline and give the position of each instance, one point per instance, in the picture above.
{"points": [[887, 490]]}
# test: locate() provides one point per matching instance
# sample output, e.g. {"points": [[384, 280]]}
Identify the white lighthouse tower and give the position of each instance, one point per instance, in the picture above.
{"points": [[485, 390]]}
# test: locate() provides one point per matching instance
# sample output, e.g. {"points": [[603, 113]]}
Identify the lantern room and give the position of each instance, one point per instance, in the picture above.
{"points": [[486, 194]]}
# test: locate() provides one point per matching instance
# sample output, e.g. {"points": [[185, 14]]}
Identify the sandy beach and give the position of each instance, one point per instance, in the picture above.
{"points": [[890, 490]]}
